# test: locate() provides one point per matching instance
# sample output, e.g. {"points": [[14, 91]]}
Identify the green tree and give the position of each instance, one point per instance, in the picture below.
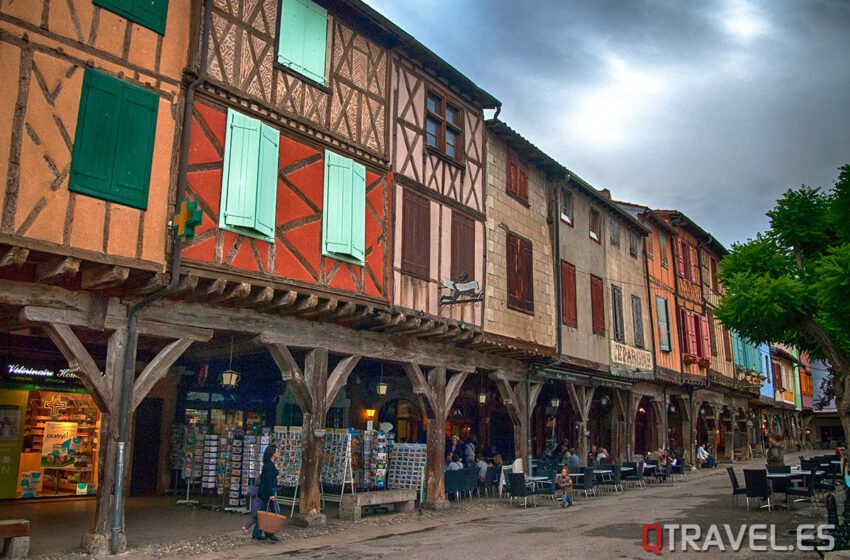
{"points": [[791, 284]]}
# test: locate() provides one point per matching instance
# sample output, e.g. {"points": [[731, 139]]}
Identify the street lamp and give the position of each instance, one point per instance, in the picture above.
{"points": [[555, 402], [382, 387]]}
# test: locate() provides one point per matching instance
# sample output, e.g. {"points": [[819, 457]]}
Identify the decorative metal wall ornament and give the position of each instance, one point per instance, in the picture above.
{"points": [[461, 291]]}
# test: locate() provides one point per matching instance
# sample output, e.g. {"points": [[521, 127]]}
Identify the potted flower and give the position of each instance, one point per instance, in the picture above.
{"points": [[704, 363], [689, 359]]}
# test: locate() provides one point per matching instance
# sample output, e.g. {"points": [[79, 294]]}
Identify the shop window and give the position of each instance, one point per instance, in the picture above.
{"points": [[113, 144], [249, 178], [302, 40], [147, 13], [520, 277], [344, 212], [463, 246], [416, 235]]}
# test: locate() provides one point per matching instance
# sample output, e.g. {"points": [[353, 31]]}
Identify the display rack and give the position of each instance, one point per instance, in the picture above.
{"points": [[407, 466]]}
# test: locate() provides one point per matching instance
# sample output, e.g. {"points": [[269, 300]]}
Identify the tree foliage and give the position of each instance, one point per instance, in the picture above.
{"points": [[791, 284]]}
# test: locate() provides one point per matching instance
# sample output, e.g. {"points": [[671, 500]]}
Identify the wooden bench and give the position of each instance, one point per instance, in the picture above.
{"points": [[351, 505], [16, 538]]}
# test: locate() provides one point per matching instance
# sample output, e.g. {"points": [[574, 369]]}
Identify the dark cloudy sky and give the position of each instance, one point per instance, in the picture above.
{"points": [[712, 108]]}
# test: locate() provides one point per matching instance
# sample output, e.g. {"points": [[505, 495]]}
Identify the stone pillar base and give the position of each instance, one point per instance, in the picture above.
{"points": [[436, 505], [309, 520], [97, 544], [17, 547]]}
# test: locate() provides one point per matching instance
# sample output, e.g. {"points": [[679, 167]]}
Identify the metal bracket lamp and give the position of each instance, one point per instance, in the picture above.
{"points": [[230, 378]]}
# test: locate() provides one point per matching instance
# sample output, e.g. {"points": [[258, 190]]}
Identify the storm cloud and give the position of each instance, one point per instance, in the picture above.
{"points": [[712, 108]]}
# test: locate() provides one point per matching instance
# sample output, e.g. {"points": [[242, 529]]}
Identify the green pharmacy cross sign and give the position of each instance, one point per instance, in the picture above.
{"points": [[187, 219]]}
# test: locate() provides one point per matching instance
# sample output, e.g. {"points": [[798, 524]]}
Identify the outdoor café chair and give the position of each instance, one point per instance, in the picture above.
{"points": [[636, 477], [587, 482], [678, 468], [454, 483], [491, 480], [518, 488], [614, 481], [736, 488], [757, 486], [806, 491], [663, 474]]}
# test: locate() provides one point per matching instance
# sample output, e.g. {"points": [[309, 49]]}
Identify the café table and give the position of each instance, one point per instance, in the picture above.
{"points": [[535, 481]]}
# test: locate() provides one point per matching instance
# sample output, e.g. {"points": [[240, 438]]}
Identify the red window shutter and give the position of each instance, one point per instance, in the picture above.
{"points": [[512, 254], [512, 175], [777, 376], [463, 246], [694, 264], [684, 334], [680, 258], [523, 183], [527, 274], [696, 334], [415, 235], [597, 305], [706, 331], [569, 311]]}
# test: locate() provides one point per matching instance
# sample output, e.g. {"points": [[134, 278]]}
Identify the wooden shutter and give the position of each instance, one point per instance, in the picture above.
{"points": [[148, 13], [114, 140], [266, 212], [777, 376], [522, 190], [663, 314], [463, 246], [714, 282], [617, 313], [706, 343], [569, 311], [512, 175], [680, 258], [712, 334], [694, 334], [684, 334], [240, 172], [344, 212], [637, 321], [415, 235], [727, 345], [695, 275], [302, 42], [520, 275], [597, 305]]}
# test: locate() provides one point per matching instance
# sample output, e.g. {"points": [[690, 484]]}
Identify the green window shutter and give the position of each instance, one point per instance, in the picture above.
{"points": [[147, 13], [241, 171], [114, 139], [267, 181], [135, 147], [344, 213], [302, 40]]}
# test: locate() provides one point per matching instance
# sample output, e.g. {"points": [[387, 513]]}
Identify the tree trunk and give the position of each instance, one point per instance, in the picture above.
{"points": [[841, 386], [840, 362]]}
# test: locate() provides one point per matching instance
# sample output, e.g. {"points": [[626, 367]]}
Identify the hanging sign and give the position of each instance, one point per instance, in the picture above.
{"points": [[60, 445], [187, 219]]}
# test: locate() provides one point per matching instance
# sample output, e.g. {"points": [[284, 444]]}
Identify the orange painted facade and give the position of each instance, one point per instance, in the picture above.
{"points": [[659, 251], [45, 48]]}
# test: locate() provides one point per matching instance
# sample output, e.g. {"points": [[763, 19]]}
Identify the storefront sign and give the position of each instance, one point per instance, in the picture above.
{"points": [[60, 445], [631, 357], [18, 369]]}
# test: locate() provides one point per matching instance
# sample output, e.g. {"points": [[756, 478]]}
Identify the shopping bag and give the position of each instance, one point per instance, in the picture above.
{"points": [[270, 521]]}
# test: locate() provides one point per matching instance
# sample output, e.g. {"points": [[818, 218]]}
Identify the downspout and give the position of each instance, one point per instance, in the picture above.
{"points": [[559, 329], [132, 315], [652, 323]]}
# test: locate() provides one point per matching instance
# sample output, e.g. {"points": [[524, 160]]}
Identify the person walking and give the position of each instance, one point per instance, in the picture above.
{"points": [[266, 490]]}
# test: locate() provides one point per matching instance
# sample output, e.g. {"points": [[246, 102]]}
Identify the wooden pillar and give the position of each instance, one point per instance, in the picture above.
{"points": [[581, 397], [621, 421], [436, 397], [519, 400], [314, 391]]}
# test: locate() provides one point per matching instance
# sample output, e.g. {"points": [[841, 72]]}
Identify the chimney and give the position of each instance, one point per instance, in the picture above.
{"points": [[606, 193]]}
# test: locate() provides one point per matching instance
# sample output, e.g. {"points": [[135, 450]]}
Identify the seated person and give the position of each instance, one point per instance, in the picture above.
{"points": [[563, 486], [455, 464], [573, 459], [482, 468]]}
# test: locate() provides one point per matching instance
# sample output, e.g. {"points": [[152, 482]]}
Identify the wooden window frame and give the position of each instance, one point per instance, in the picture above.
{"points": [[634, 245], [597, 314], [569, 296], [443, 125], [295, 68], [516, 179], [663, 245], [713, 272], [712, 334], [463, 246], [614, 232], [411, 252], [667, 331], [618, 321], [637, 322], [595, 235], [568, 218], [519, 297]]}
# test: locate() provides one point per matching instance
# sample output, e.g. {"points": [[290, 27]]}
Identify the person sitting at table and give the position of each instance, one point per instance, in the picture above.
{"points": [[498, 461], [454, 464], [602, 456], [563, 486], [704, 458], [573, 459], [482, 468], [663, 458], [591, 455]]}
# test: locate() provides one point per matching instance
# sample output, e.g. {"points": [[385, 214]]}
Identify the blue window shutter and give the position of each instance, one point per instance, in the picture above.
{"points": [[336, 222], [358, 211], [267, 181], [241, 171], [302, 39]]}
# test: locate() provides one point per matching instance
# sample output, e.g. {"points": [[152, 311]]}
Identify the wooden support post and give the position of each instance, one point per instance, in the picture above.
{"points": [[519, 404], [581, 398], [314, 391]]}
